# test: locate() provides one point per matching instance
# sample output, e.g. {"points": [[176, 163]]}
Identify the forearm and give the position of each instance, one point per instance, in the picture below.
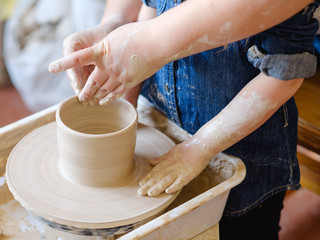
{"points": [[199, 25], [254, 104], [126, 10], [146, 13]]}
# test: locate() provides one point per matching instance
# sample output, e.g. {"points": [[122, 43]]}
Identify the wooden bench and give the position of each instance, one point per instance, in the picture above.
{"points": [[308, 102]]}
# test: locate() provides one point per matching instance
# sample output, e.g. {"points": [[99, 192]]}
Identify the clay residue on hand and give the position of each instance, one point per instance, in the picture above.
{"points": [[244, 112], [238, 118], [225, 27], [218, 170], [136, 66]]}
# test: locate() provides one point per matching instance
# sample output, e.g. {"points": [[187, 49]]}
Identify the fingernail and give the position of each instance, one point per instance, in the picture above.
{"points": [[141, 192], [106, 99], [82, 97], [101, 93], [54, 67], [151, 193], [88, 91], [167, 191]]}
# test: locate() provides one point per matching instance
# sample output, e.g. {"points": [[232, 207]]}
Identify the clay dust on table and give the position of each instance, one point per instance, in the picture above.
{"points": [[16, 223]]}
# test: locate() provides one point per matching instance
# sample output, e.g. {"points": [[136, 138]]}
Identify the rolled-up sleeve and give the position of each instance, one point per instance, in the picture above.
{"points": [[286, 51], [283, 66]]}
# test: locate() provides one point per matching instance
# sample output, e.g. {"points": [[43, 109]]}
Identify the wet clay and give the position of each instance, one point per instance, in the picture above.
{"points": [[84, 207], [16, 223], [96, 143]]}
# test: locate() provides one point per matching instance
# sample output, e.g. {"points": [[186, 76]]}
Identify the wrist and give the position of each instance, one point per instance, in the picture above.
{"points": [[141, 52], [198, 146]]}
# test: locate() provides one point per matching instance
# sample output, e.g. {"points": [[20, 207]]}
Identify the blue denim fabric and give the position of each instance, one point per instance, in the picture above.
{"points": [[150, 3], [192, 90], [286, 51]]}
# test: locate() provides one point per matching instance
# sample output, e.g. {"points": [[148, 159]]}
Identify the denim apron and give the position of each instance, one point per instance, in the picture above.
{"points": [[192, 90]]}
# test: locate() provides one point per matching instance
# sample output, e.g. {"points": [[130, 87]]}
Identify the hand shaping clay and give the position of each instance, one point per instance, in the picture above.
{"points": [[44, 180], [96, 143]]}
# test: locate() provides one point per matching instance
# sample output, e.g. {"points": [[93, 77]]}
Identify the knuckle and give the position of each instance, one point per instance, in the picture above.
{"points": [[70, 42], [76, 59], [103, 48], [70, 38]]}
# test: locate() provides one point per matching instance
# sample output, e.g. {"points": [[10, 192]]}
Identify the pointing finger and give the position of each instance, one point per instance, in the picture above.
{"points": [[80, 58]]}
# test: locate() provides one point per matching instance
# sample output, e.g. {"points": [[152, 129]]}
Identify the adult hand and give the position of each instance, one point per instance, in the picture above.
{"points": [[174, 169], [121, 61], [82, 40]]}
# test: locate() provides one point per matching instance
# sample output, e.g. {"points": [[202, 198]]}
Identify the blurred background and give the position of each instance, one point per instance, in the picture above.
{"points": [[31, 36]]}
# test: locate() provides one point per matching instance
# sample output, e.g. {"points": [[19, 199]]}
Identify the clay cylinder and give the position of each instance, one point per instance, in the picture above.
{"points": [[96, 143]]}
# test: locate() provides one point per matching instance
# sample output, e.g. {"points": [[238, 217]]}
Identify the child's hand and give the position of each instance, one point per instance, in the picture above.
{"points": [[85, 39], [119, 63], [174, 170]]}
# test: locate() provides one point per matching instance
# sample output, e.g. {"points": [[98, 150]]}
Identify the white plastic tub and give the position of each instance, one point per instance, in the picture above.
{"points": [[198, 208]]}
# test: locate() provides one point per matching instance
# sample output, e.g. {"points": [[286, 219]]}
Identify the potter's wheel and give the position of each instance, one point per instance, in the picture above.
{"points": [[36, 182]]}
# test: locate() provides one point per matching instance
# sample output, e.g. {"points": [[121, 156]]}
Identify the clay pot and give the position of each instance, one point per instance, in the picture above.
{"points": [[96, 143]]}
